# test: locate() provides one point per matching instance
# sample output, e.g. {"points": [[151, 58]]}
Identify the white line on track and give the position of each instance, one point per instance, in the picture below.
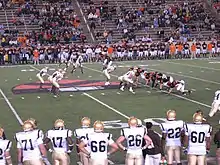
{"points": [[190, 65], [184, 98], [11, 107], [191, 77]]}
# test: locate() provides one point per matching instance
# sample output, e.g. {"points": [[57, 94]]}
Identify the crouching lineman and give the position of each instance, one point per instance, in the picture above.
{"points": [[197, 140], [5, 157], [81, 134], [127, 79], [172, 132], [179, 85], [54, 79], [107, 72], [61, 140], [30, 147], [215, 104], [134, 136], [41, 74], [98, 143]]}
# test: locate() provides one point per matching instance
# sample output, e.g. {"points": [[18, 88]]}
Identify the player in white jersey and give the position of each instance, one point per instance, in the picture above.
{"points": [[62, 143], [197, 140], [107, 72], [54, 79], [34, 123], [98, 143], [40, 75], [5, 146], [127, 79], [82, 134], [134, 137], [78, 64], [107, 62], [172, 136], [215, 104], [30, 147]]}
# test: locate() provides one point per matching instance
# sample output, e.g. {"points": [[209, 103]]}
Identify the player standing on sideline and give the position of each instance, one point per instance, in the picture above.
{"points": [[40, 75], [197, 140], [82, 134], [98, 143], [30, 147], [5, 146], [61, 140], [172, 132], [134, 137]]}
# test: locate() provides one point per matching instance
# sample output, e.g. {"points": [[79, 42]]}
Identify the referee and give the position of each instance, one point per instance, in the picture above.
{"points": [[152, 156]]}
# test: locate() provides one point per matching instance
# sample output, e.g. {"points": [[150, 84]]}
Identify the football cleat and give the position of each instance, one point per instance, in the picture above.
{"points": [[171, 115], [33, 121], [107, 83], [197, 118], [59, 123], [28, 126], [98, 126], [85, 122], [132, 121]]}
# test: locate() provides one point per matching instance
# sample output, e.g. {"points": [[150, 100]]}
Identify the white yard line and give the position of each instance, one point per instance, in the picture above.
{"points": [[184, 98], [33, 67], [191, 77], [190, 65], [11, 107]]}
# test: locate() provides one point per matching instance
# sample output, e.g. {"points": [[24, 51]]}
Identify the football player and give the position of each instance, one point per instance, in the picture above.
{"points": [[5, 146], [78, 63], [98, 143], [30, 147], [107, 62], [82, 134], [134, 137], [107, 72], [61, 140], [127, 79], [179, 85], [197, 140], [215, 104], [34, 123], [172, 134], [54, 79], [41, 74]]}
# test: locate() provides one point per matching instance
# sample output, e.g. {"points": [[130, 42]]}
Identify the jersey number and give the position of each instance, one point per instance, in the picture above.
{"points": [[134, 140], [98, 147], [174, 133], [60, 139], [1, 154], [197, 137], [26, 142]]}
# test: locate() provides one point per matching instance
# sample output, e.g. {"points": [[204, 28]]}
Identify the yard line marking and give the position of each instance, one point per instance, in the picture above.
{"points": [[9, 98], [184, 98], [105, 105], [11, 107], [34, 67], [195, 78], [193, 66]]}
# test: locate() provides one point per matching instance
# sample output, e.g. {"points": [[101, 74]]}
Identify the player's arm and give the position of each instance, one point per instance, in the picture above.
{"points": [[163, 139], [208, 139], [19, 151], [114, 146], [82, 148], [69, 140], [120, 140], [43, 151], [46, 142], [148, 140], [7, 153]]}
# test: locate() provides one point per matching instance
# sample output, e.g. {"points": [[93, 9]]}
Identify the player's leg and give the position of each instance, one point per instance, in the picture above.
{"points": [[81, 68], [107, 75], [138, 160], [214, 109], [41, 80], [192, 159], [177, 155], [218, 155], [201, 160], [64, 159], [34, 162], [55, 158], [129, 160], [170, 155]]}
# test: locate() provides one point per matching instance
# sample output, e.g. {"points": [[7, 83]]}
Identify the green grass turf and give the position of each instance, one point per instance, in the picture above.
{"points": [[143, 104]]}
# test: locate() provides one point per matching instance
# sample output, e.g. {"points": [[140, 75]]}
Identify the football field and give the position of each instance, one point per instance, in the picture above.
{"points": [[85, 95]]}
